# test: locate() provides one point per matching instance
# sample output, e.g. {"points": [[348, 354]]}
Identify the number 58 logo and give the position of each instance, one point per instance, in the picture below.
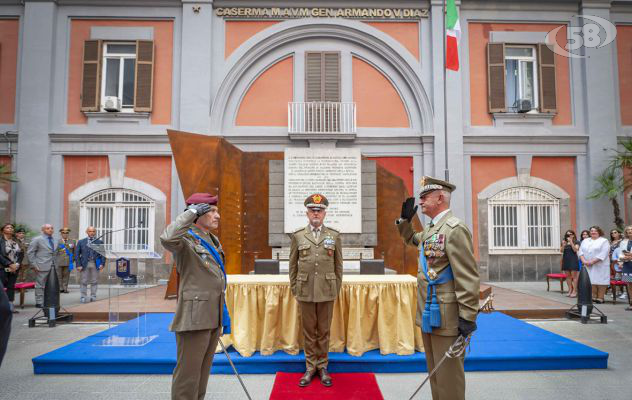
{"points": [[588, 36]]}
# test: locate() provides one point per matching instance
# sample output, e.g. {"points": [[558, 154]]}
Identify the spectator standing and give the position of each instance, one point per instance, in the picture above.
{"points": [[594, 253], [584, 235], [570, 261], [615, 241], [41, 254], [624, 259], [89, 263], [10, 258], [65, 258], [23, 274]]}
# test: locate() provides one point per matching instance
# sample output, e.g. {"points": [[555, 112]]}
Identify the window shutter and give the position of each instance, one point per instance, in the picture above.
{"points": [[496, 77], [322, 85], [144, 75], [546, 62], [91, 78], [331, 69], [331, 90], [313, 76]]}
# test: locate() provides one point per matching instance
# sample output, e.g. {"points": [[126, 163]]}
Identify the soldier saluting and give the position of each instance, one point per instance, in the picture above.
{"points": [[447, 283], [315, 280], [201, 314]]}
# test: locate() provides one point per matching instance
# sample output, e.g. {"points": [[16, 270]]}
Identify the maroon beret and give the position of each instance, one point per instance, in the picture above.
{"points": [[197, 198]]}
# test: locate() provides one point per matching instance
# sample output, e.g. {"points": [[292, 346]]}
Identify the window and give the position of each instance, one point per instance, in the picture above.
{"points": [[322, 76], [120, 69], [523, 218], [521, 78], [119, 209], [322, 91]]}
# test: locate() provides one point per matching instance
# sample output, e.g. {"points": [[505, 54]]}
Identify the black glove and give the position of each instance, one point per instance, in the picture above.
{"points": [[466, 327], [200, 209], [409, 209]]}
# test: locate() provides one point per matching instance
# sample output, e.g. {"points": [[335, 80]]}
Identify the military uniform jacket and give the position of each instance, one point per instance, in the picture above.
{"points": [[449, 242], [62, 259], [201, 289], [315, 265]]}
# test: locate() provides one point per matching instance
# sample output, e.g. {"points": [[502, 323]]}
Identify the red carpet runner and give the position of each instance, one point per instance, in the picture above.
{"points": [[361, 386]]}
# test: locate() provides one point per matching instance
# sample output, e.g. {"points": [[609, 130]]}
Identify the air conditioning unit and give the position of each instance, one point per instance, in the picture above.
{"points": [[523, 105], [112, 104]]}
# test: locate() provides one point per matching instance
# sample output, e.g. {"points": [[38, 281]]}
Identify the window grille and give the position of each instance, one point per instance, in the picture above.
{"points": [[130, 212], [523, 218]]}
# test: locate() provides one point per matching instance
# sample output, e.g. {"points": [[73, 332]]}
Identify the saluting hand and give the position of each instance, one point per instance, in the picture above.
{"points": [[200, 209], [409, 209]]}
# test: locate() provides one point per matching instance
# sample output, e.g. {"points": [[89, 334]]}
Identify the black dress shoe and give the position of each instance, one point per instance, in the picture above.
{"points": [[325, 378], [306, 379]]}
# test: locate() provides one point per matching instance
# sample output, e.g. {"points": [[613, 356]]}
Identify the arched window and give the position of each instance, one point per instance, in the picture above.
{"points": [[122, 217], [523, 218]]}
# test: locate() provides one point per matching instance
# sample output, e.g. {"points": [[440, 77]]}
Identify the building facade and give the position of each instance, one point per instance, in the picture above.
{"points": [[89, 88]]}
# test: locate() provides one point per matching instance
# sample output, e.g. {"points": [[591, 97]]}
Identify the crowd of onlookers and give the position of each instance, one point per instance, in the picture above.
{"points": [[32, 262], [605, 260]]}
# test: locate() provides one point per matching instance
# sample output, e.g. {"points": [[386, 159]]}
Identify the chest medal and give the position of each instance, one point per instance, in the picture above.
{"points": [[329, 243]]}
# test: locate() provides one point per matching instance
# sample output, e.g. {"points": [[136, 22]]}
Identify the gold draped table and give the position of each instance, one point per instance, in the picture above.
{"points": [[371, 312]]}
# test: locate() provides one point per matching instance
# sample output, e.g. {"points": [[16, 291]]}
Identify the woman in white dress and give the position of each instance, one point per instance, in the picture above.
{"points": [[595, 255]]}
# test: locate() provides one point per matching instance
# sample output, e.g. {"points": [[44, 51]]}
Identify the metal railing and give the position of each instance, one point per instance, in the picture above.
{"points": [[321, 117]]}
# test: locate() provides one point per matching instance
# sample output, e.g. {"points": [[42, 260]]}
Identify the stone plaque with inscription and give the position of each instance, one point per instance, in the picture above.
{"points": [[335, 173]]}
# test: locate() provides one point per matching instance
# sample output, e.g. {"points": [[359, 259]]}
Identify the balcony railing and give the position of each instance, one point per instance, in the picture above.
{"points": [[322, 117]]}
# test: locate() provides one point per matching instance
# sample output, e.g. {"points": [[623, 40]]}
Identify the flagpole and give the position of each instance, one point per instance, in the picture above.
{"points": [[445, 101]]}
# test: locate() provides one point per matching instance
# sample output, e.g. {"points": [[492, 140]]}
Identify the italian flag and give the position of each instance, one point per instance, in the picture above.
{"points": [[453, 33]]}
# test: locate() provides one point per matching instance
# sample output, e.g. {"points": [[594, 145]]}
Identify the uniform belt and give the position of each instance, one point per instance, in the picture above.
{"points": [[431, 316]]}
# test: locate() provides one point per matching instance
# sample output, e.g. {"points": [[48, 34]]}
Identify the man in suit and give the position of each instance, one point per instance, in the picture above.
{"points": [[447, 283], [315, 280], [89, 263], [65, 258], [41, 255], [201, 313]]}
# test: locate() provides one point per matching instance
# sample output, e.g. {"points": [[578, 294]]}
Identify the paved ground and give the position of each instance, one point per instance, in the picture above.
{"points": [[17, 381]]}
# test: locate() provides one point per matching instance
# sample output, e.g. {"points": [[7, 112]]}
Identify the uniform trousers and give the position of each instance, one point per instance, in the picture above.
{"points": [[448, 383], [40, 284], [196, 350], [89, 276], [63, 275], [316, 320]]}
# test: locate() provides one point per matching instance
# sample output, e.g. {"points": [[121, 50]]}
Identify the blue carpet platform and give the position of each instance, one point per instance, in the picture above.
{"points": [[501, 343]]}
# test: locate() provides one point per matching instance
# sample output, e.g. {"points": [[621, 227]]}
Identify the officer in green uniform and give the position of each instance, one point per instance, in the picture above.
{"points": [[315, 280], [65, 258], [447, 283], [201, 314]]}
